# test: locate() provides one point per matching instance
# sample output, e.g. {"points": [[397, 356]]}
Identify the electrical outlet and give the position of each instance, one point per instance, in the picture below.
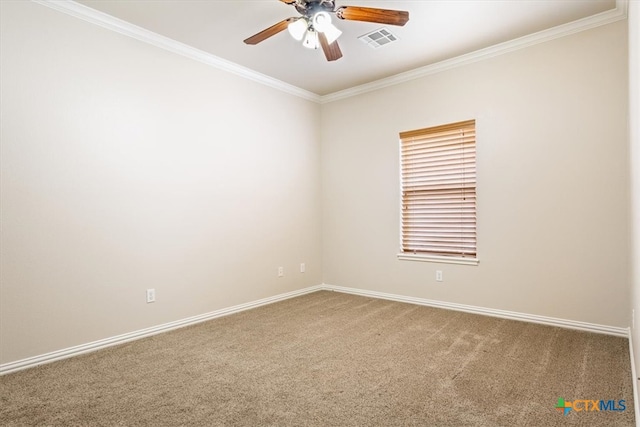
{"points": [[151, 295], [280, 271], [438, 275], [302, 267]]}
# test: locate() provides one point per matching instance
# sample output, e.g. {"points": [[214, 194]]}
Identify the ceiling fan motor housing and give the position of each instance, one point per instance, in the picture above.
{"points": [[311, 7]]}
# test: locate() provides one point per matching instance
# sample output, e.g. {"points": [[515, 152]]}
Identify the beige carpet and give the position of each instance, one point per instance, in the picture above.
{"points": [[332, 359]]}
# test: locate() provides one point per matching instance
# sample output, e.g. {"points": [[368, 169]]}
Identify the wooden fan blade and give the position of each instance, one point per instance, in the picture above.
{"points": [[370, 14], [331, 51], [271, 31]]}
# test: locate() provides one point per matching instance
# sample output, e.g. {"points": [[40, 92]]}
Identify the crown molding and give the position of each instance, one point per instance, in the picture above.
{"points": [[109, 22], [114, 24], [603, 18]]}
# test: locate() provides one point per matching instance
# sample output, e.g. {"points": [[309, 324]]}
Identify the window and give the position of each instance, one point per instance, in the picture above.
{"points": [[438, 175]]}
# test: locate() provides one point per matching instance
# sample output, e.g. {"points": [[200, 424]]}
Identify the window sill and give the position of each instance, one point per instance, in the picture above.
{"points": [[439, 259]]}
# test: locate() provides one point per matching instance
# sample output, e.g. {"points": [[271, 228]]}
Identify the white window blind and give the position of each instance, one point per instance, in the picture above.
{"points": [[439, 190]]}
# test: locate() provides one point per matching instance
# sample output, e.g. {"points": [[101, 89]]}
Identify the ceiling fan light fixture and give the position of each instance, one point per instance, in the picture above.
{"points": [[332, 32], [311, 39], [322, 23], [297, 28]]}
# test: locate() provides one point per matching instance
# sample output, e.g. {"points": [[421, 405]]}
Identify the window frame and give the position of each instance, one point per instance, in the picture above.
{"points": [[426, 256]]}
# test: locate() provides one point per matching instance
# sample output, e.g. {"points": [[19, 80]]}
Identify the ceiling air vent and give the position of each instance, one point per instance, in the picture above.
{"points": [[378, 38]]}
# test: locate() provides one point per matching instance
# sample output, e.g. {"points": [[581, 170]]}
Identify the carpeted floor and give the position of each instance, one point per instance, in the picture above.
{"points": [[332, 359]]}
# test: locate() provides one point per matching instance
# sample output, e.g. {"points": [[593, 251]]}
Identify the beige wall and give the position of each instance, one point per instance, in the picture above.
{"points": [[634, 138], [553, 196], [126, 167]]}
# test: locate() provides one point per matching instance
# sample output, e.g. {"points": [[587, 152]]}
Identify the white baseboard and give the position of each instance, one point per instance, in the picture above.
{"points": [[31, 362], [512, 315], [634, 379]]}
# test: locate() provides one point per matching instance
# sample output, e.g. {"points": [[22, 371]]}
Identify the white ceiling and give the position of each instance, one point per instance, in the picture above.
{"points": [[437, 30]]}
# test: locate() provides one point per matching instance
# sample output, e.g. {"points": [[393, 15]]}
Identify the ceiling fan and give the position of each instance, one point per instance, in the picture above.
{"points": [[315, 29]]}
